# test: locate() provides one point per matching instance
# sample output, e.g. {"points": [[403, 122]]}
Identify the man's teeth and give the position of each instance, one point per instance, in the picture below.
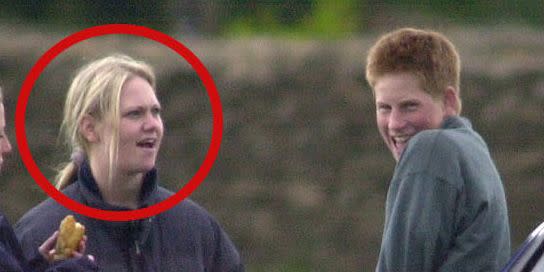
{"points": [[401, 140]]}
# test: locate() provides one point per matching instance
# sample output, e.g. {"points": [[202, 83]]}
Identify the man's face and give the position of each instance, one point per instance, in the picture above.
{"points": [[5, 145], [403, 109]]}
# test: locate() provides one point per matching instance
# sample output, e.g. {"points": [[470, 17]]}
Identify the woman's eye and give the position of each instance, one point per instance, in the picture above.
{"points": [[135, 113], [382, 109], [156, 111]]}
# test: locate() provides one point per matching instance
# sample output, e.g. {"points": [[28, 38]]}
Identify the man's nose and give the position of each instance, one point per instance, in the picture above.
{"points": [[397, 120]]}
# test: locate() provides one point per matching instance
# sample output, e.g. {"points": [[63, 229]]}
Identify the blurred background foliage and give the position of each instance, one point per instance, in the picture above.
{"points": [[290, 18], [301, 178]]}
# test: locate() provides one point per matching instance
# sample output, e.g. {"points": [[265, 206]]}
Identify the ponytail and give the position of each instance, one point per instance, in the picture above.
{"points": [[68, 172], [67, 175]]}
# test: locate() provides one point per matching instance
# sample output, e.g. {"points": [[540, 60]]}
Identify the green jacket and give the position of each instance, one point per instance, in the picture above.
{"points": [[446, 207]]}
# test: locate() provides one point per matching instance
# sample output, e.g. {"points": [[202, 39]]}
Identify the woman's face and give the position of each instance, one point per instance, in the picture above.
{"points": [[5, 145], [140, 128]]}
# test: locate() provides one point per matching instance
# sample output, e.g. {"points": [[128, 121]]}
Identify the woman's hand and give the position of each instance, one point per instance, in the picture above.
{"points": [[47, 249]]}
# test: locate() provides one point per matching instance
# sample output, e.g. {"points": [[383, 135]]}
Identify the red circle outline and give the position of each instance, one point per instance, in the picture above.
{"points": [[47, 57]]}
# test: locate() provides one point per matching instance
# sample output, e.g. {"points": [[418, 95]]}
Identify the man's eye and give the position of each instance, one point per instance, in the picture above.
{"points": [[156, 111], [411, 106]]}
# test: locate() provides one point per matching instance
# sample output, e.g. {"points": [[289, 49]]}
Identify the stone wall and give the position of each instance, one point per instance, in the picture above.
{"points": [[301, 177]]}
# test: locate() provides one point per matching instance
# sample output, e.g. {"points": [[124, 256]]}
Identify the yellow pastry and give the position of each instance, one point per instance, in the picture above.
{"points": [[70, 235]]}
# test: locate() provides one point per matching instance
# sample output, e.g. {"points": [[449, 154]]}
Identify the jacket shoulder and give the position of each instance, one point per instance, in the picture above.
{"points": [[436, 152], [187, 209], [40, 222], [194, 221]]}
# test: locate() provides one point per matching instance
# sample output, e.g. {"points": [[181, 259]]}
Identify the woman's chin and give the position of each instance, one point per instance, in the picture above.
{"points": [[142, 168]]}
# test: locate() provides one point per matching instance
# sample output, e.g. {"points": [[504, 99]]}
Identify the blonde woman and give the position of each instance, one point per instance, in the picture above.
{"points": [[11, 255], [113, 126]]}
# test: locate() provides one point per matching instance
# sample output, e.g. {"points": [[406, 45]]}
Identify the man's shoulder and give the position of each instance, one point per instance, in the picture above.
{"points": [[434, 152], [445, 141], [443, 152]]}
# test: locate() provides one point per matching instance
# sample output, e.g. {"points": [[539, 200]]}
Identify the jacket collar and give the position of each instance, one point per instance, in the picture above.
{"points": [[456, 122], [91, 194]]}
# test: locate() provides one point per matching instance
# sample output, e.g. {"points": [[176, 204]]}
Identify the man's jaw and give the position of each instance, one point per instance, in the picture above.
{"points": [[398, 144]]}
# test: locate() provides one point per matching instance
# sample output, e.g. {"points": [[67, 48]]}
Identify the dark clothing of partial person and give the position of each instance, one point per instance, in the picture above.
{"points": [[12, 258], [446, 207], [184, 238], [11, 255]]}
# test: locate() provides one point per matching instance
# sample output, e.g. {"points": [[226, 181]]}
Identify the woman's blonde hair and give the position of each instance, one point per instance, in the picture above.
{"points": [[96, 91]]}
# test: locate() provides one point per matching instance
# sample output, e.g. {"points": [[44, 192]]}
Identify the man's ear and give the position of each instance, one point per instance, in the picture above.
{"points": [[452, 104], [88, 128]]}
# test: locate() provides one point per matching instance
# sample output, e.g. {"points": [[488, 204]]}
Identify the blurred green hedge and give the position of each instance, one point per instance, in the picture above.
{"points": [[286, 18]]}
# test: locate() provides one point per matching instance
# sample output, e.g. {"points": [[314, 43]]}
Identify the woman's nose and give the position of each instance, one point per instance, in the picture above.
{"points": [[152, 122]]}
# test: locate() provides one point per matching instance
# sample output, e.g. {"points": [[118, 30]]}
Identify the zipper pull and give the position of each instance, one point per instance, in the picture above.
{"points": [[137, 247]]}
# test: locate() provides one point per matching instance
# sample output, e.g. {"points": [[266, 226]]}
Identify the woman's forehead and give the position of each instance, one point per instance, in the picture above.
{"points": [[137, 91]]}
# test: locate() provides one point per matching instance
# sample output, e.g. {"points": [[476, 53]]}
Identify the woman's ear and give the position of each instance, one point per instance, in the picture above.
{"points": [[451, 101], [88, 128]]}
